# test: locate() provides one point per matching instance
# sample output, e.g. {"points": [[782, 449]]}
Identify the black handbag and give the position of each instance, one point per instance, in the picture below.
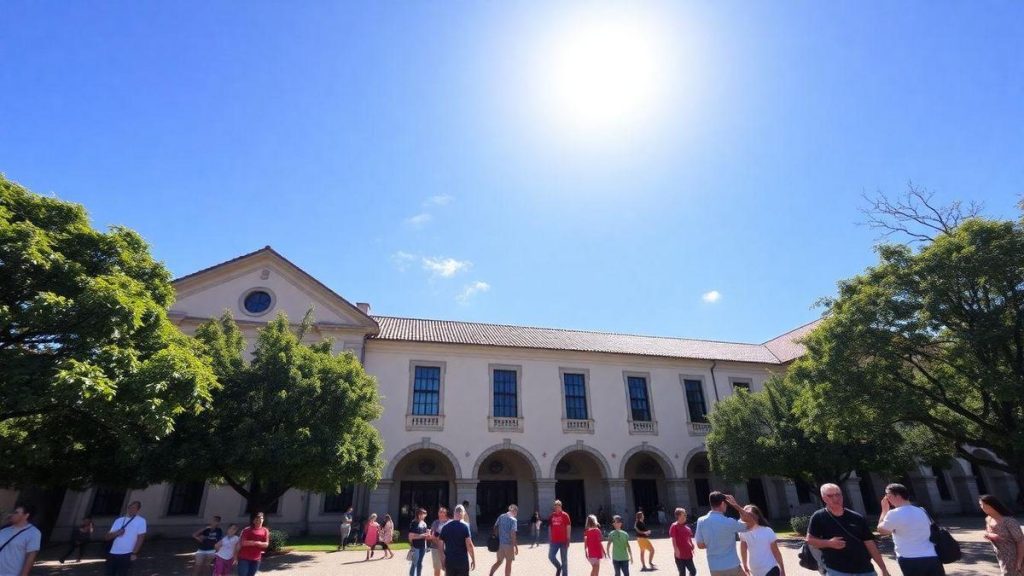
{"points": [[806, 558], [946, 547], [492, 541]]}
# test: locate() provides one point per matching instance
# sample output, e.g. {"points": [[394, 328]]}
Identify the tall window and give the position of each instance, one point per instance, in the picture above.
{"points": [[695, 400], [941, 484], [185, 498], [575, 397], [639, 405], [338, 503], [426, 391], [505, 405], [107, 501]]}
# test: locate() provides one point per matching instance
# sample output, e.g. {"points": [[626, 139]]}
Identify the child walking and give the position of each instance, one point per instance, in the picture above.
{"points": [[620, 550], [224, 559]]}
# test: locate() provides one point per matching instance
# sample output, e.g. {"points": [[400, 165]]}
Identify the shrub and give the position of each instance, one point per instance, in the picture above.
{"points": [[799, 524], [278, 538]]}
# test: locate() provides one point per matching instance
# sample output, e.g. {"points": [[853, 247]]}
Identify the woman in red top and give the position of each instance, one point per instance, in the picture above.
{"points": [[592, 545], [251, 544]]}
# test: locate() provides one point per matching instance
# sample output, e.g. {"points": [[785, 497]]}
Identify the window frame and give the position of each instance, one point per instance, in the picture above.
{"points": [[562, 372], [626, 375], [413, 365], [683, 379], [518, 369], [747, 383], [351, 489], [107, 490], [199, 505]]}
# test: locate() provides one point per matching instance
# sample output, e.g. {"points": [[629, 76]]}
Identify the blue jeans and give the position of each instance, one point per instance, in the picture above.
{"points": [[553, 549], [248, 567], [831, 572], [416, 568], [621, 567]]}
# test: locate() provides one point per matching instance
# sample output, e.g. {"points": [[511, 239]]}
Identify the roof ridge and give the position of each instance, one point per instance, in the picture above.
{"points": [[784, 334]]}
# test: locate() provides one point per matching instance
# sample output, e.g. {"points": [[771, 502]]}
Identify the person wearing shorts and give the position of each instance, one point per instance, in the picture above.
{"points": [[506, 526], [207, 538], [436, 555], [643, 542], [592, 545]]}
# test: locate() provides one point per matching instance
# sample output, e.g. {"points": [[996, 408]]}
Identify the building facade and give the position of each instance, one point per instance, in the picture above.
{"points": [[494, 414]]}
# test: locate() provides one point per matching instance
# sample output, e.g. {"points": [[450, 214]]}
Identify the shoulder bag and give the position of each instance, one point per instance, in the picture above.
{"points": [[806, 557], [16, 534], [123, 526], [946, 547], [492, 541]]}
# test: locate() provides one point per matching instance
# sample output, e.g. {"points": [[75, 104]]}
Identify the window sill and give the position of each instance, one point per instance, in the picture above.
{"points": [[573, 426], [504, 424], [645, 427]]}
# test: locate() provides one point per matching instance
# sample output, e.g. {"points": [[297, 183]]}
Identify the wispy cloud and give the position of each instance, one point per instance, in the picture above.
{"points": [[418, 220], [471, 290], [445, 267], [711, 297], [439, 200], [402, 260]]}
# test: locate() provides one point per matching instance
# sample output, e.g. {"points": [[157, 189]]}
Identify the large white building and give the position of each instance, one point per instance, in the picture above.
{"points": [[494, 414]]}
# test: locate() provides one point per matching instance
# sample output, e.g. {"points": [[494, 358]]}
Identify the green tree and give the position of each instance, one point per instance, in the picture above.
{"points": [[295, 416], [762, 433], [932, 335], [91, 370]]}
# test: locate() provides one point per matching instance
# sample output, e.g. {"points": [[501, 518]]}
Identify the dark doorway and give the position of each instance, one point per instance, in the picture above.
{"points": [[429, 495], [645, 497], [574, 503], [48, 502], [703, 488], [755, 491], [493, 498], [867, 494]]}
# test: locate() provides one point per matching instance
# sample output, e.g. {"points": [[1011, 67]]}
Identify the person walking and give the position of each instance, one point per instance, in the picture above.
{"points": [[418, 535], [535, 523], [387, 535], [759, 547], [207, 539], [128, 533], [1003, 531], [224, 552], [19, 542], [371, 532], [643, 542], [621, 552], [911, 530], [716, 533], [846, 543], [80, 537], [458, 556], [682, 544], [559, 525], [507, 527], [252, 543], [592, 549], [346, 528], [436, 556]]}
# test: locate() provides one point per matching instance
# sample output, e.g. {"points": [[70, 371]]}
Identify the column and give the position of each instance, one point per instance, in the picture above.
{"points": [[545, 495], [851, 490], [380, 498], [617, 495], [967, 493], [926, 489], [678, 495], [465, 490], [793, 504]]}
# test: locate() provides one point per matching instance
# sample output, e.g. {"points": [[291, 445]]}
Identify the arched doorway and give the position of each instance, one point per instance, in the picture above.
{"points": [[645, 484], [702, 482], [424, 478], [581, 484], [505, 477]]}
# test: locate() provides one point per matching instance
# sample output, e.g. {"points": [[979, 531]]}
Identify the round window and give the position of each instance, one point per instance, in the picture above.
{"points": [[257, 302]]}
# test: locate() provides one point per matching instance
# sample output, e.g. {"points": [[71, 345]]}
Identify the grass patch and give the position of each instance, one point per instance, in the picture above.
{"points": [[330, 544]]}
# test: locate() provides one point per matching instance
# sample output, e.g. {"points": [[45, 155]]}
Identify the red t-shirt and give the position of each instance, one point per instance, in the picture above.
{"points": [[592, 540], [253, 553], [681, 537], [558, 526]]}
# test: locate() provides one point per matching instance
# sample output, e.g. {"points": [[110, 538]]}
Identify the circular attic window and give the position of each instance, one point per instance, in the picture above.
{"points": [[257, 302]]}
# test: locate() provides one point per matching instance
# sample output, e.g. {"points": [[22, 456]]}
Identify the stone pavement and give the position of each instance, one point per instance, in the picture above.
{"points": [[170, 558]]}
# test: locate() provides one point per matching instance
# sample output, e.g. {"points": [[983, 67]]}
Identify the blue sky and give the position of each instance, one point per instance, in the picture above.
{"points": [[409, 154]]}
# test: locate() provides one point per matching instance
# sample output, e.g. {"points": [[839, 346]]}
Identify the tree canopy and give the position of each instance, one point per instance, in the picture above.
{"points": [[294, 416], [91, 370]]}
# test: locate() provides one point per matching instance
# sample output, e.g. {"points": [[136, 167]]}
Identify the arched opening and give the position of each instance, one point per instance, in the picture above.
{"points": [[702, 482], [425, 478], [581, 485], [504, 477], [645, 486]]}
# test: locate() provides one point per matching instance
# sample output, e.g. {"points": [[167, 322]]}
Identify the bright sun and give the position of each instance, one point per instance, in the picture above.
{"points": [[605, 74]]}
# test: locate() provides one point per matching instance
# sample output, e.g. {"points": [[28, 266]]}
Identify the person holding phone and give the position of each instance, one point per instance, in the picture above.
{"points": [[911, 532]]}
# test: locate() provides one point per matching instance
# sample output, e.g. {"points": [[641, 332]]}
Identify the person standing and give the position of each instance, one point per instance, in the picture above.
{"points": [[682, 544], [716, 533], [911, 531], [436, 556], [759, 547], [371, 531], [592, 545], [458, 556], [535, 527], [507, 527], [346, 528], [128, 533], [80, 537], [252, 543], [418, 536], [643, 542], [387, 535], [559, 525], [207, 539], [19, 542], [225, 552], [1003, 531], [621, 551], [846, 543]]}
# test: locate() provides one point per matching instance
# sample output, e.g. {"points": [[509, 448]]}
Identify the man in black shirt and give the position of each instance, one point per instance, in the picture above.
{"points": [[456, 545], [207, 539], [846, 543]]}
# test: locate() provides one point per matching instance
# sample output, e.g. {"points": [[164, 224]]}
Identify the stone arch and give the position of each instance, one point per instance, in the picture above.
{"points": [[654, 452], [507, 445], [691, 455], [579, 446], [426, 444]]}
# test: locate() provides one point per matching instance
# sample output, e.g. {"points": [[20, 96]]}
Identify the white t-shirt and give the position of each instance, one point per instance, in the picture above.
{"points": [[227, 547], [911, 530], [759, 549], [125, 544], [12, 557]]}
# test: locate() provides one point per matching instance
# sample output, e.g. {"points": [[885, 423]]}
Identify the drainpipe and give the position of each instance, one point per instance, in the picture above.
{"points": [[713, 382]]}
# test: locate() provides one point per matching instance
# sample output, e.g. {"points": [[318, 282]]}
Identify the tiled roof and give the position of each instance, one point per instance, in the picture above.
{"points": [[450, 332], [788, 347]]}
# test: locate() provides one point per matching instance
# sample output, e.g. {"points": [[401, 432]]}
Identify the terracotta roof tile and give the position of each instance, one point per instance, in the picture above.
{"points": [[788, 347]]}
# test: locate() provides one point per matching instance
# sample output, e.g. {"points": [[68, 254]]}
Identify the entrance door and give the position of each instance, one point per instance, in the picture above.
{"points": [[574, 503], [703, 489], [867, 494], [645, 497], [493, 498], [430, 495], [755, 491]]}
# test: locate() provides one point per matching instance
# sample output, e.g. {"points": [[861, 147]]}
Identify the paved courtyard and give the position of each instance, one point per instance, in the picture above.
{"points": [[170, 558]]}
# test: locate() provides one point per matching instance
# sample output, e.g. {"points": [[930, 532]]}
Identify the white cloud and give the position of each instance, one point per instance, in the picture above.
{"points": [[402, 260], [445, 267], [418, 220], [440, 200], [711, 297], [470, 290]]}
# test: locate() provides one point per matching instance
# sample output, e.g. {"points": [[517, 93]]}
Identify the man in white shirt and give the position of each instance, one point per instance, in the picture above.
{"points": [[910, 528], [19, 543], [128, 533]]}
